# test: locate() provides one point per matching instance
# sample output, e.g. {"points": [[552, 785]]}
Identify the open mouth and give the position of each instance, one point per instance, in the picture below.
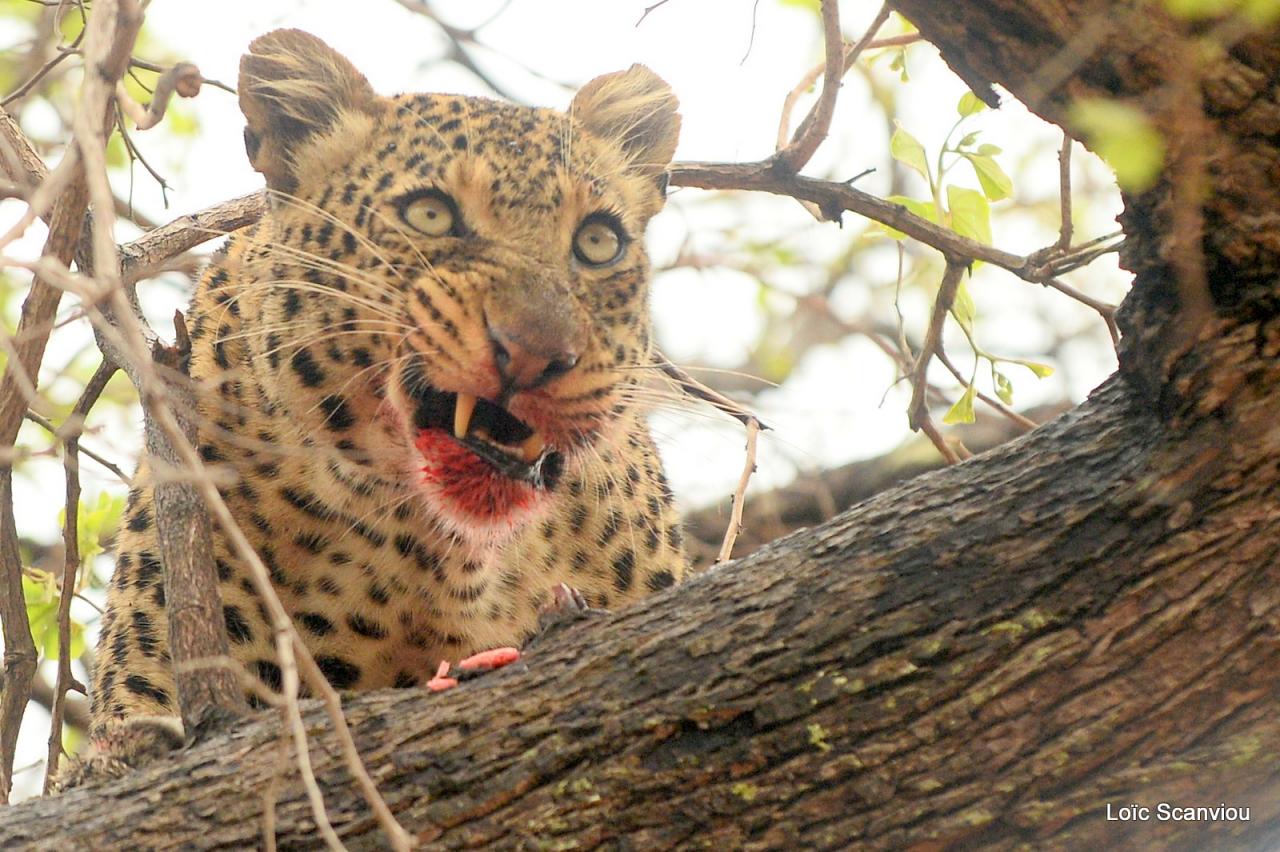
{"points": [[508, 445]]}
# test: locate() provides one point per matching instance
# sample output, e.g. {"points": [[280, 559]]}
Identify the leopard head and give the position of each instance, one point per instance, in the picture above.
{"points": [[452, 290]]}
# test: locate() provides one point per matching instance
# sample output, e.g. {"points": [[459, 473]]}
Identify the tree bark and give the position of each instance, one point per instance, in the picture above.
{"points": [[988, 655]]}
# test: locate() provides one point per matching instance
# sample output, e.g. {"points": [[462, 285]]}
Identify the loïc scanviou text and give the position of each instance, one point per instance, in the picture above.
{"points": [[1166, 812]]}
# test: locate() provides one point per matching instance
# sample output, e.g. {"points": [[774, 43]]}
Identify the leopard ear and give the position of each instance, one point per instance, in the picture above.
{"points": [[636, 109], [295, 88]]}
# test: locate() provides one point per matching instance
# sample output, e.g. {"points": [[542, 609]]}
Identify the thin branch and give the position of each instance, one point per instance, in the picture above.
{"points": [[72, 430], [850, 56], [35, 78], [75, 711], [270, 794], [918, 410], [135, 62], [740, 493], [751, 39], [650, 9], [293, 723], [183, 79], [135, 155], [1064, 192], [813, 130], [48, 426], [458, 39], [697, 389], [1105, 310], [20, 161]]}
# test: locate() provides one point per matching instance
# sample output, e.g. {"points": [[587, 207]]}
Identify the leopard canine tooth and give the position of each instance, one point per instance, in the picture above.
{"points": [[532, 447], [466, 406]]}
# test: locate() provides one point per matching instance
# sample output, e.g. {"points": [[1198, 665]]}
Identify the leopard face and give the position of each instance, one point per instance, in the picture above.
{"points": [[472, 271]]}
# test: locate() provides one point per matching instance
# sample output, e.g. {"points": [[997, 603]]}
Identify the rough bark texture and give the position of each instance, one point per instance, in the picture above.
{"points": [[987, 655]]}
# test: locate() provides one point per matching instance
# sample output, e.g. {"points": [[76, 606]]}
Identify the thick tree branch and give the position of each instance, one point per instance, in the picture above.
{"points": [[804, 698]]}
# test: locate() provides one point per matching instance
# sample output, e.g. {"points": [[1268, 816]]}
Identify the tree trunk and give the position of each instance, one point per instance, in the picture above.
{"points": [[1004, 653]]}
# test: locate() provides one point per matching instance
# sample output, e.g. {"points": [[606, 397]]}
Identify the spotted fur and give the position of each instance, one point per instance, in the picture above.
{"points": [[313, 329]]}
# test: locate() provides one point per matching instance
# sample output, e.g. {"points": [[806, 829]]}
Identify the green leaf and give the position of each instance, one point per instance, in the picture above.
{"points": [[1004, 387], [969, 104], [906, 149], [97, 523], [988, 150], [1042, 371], [970, 214], [995, 183], [899, 64], [962, 411], [967, 140], [923, 209], [812, 5], [963, 308], [1124, 137], [41, 595]]}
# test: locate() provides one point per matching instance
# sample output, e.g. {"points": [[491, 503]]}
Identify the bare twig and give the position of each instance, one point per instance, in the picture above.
{"points": [[71, 562], [1106, 311], [813, 130], [459, 39], [293, 723], [740, 493], [48, 426], [649, 9], [135, 155], [1064, 192], [75, 712], [849, 55], [269, 795], [698, 390], [183, 79], [39, 75], [21, 163]]}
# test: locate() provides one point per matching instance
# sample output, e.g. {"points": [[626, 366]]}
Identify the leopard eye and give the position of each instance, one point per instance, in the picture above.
{"points": [[598, 242], [432, 214]]}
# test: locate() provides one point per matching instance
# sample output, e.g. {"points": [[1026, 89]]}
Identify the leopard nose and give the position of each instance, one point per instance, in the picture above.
{"points": [[524, 364]]}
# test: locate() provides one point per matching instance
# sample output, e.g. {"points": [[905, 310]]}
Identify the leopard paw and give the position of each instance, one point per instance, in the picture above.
{"points": [[121, 746]]}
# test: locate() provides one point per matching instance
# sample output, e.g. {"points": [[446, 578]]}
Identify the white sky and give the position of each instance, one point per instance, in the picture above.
{"points": [[839, 405]]}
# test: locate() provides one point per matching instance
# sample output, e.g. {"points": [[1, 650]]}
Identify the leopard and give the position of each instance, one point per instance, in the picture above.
{"points": [[419, 378]]}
